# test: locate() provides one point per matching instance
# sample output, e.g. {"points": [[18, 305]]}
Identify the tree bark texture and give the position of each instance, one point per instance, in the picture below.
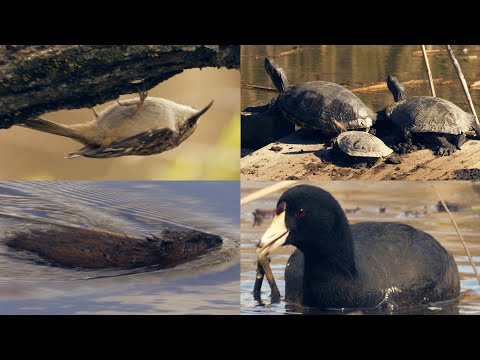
{"points": [[43, 78]]}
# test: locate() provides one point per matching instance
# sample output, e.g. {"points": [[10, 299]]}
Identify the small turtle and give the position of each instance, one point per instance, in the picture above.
{"points": [[431, 119], [319, 105], [365, 147]]}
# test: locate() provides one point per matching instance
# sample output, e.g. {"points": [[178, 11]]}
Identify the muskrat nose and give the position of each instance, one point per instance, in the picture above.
{"points": [[214, 240], [197, 237]]}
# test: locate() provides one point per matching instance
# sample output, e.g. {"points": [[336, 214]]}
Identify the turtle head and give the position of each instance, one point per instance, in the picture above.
{"points": [[396, 88], [277, 74], [476, 127]]}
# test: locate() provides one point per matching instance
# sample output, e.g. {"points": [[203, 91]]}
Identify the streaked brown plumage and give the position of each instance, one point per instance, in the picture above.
{"points": [[140, 126]]}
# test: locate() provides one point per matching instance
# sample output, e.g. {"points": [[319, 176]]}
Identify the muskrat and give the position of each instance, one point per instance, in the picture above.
{"points": [[73, 247]]}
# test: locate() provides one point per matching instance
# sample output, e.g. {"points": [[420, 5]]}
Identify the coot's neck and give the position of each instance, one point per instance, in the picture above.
{"points": [[331, 256]]}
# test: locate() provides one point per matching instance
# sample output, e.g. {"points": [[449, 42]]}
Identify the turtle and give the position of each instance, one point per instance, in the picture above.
{"points": [[429, 119], [319, 105], [365, 147]]}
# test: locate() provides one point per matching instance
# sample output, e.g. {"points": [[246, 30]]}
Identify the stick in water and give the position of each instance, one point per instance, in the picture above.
{"points": [[265, 264], [459, 234], [257, 288], [430, 78], [456, 65]]}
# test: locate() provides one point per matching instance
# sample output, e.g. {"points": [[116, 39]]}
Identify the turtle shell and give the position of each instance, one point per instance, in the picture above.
{"points": [[361, 143], [430, 114], [325, 106]]}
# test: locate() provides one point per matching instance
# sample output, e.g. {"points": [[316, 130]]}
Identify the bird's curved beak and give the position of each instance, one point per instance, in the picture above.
{"points": [[200, 112], [274, 237]]}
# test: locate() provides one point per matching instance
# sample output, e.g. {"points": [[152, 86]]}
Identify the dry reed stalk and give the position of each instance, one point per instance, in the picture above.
{"points": [[430, 78], [459, 233]]}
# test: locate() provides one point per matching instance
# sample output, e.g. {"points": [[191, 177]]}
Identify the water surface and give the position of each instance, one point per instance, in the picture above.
{"points": [[357, 65], [206, 285]]}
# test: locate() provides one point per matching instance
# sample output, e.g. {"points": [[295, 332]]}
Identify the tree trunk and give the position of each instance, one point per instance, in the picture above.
{"points": [[43, 78]]}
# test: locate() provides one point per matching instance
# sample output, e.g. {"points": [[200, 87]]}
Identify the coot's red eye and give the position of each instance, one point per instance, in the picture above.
{"points": [[301, 213]]}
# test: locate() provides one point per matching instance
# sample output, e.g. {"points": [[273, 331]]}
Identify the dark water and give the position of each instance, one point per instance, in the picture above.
{"points": [[399, 198], [359, 64], [208, 284]]}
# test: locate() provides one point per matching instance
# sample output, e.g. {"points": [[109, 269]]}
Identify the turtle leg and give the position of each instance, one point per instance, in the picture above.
{"points": [[393, 159], [378, 162], [331, 143], [444, 147], [459, 140], [407, 135], [337, 126]]}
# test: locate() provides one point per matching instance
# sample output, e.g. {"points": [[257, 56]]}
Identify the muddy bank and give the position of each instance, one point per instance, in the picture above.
{"points": [[305, 155]]}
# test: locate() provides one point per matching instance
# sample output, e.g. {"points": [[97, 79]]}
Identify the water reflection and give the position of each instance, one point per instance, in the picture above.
{"points": [[359, 64]]}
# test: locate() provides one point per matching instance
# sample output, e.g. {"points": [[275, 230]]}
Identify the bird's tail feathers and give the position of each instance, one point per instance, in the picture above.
{"points": [[43, 125]]}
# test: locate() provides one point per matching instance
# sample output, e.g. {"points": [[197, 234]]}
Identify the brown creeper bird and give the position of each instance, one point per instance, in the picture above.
{"points": [[139, 126]]}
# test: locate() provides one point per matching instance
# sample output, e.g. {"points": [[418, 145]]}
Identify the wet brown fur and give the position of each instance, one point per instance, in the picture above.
{"points": [[94, 249]]}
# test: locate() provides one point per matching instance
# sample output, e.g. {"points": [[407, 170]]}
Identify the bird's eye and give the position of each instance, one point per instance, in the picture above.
{"points": [[301, 213], [192, 122], [281, 207]]}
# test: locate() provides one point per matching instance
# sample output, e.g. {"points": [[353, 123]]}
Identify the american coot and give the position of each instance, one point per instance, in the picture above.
{"points": [[366, 265]]}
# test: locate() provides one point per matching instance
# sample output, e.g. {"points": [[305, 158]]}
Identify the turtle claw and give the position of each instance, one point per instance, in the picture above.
{"points": [[459, 141], [445, 151]]}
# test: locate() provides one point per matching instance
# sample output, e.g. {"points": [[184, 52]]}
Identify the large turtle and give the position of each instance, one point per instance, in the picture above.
{"points": [[319, 105], [430, 119], [365, 148]]}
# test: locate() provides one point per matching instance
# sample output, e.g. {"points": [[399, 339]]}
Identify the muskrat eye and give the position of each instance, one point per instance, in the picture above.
{"points": [[281, 207], [301, 213]]}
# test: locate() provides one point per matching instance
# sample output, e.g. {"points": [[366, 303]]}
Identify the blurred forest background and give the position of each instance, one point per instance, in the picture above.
{"points": [[211, 153]]}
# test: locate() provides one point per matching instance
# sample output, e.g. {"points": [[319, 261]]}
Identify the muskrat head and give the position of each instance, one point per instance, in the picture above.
{"points": [[189, 237], [202, 238]]}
